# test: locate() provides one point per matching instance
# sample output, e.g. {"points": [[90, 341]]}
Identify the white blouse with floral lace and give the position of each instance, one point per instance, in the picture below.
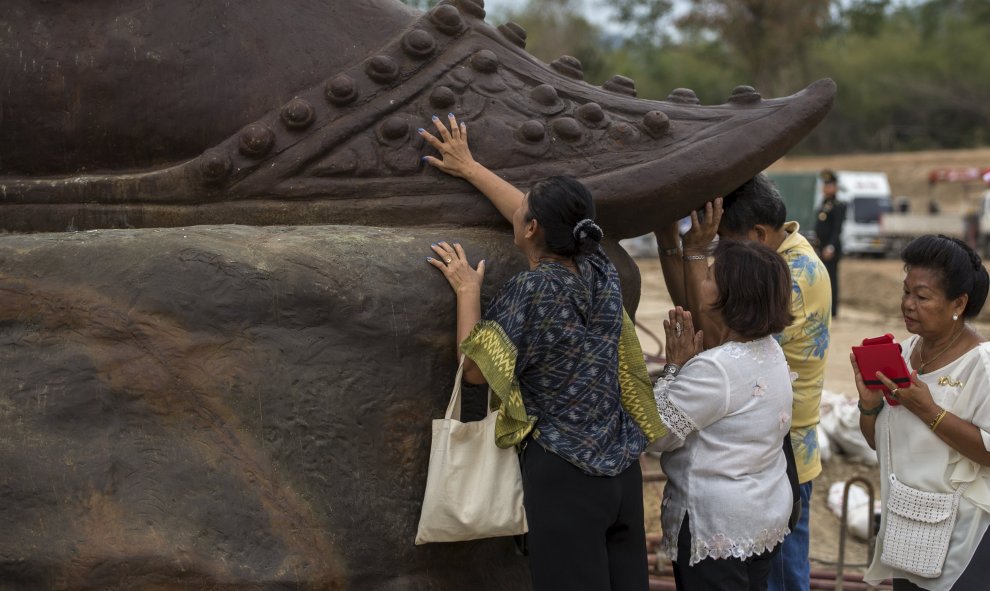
{"points": [[728, 411]]}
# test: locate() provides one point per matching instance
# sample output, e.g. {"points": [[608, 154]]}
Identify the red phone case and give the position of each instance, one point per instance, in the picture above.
{"points": [[884, 355]]}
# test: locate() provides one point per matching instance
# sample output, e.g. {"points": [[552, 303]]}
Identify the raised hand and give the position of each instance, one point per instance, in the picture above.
{"points": [[455, 155], [683, 342], [702, 232]]}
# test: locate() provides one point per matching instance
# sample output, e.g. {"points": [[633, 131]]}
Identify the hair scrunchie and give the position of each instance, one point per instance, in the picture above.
{"points": [[587, 228]]}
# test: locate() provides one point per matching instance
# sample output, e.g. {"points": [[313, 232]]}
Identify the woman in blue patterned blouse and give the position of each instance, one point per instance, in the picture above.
{"points": [[562, 358]]}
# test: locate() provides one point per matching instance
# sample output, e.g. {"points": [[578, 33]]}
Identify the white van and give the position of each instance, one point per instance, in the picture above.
{"points": [[867, 197]]}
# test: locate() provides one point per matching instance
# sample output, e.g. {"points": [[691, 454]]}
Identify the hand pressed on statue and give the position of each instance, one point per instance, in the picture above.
{"points": [[456, 158], [683, 342], [703, 231], [453, 263]]}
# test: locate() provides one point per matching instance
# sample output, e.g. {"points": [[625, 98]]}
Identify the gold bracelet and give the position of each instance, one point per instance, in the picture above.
{"points": [[937, 420]]}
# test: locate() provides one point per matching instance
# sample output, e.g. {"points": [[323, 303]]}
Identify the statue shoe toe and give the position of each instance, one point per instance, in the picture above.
{"points": [[347, 150]]}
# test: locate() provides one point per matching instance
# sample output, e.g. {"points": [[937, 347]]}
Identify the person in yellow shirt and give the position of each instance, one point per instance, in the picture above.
{"points": [[755, 211]]}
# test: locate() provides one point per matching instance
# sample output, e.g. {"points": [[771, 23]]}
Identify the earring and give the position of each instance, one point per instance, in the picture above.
{"points": [[955, 317]]}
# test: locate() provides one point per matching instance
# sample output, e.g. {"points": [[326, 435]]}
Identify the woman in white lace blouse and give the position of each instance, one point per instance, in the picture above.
{"points": [[727, 499]]}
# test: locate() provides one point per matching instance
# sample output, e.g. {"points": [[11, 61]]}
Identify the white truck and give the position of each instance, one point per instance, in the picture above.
{"points": [[970, 223], [972, 226], [867, 199]]}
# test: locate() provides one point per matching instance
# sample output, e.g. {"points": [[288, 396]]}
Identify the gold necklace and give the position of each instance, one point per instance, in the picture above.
{"points": [[921, 353]]}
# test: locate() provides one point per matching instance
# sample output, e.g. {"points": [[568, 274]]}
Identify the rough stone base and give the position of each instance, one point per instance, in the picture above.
{"points": [[231, 407]]}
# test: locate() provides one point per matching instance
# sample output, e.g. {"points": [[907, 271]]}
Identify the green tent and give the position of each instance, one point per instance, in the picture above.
{"points": [[797, 189]]}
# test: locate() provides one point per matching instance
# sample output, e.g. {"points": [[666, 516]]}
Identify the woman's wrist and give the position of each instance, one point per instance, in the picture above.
{"points": [[475, 170], [870, 408], [468, 291], [933, 416]]}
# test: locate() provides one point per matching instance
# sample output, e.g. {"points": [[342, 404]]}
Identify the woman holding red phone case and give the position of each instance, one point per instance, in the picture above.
{"points": [[937, 439]]}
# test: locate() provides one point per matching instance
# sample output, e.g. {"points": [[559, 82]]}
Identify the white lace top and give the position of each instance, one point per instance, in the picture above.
{"points": [[728, 411]]}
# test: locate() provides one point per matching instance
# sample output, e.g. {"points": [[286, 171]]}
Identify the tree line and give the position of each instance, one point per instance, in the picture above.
{"points": [[912, 75]]}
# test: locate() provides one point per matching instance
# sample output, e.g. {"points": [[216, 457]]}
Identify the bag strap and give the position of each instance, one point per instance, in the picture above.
{"points": [[454, 407]]}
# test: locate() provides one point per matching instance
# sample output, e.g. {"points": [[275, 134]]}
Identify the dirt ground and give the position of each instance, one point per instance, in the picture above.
{"points": [[870, 306]]}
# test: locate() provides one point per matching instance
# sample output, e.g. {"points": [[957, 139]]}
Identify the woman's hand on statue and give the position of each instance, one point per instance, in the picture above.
{"points": [[869, 398], [683, 342], [453, 263], [455, 156], [703, 231]]}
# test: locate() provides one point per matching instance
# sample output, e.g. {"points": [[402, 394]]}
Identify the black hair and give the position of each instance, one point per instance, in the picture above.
{"points": [[754, 288], [755, 202], [959, 267], [565, 210]]}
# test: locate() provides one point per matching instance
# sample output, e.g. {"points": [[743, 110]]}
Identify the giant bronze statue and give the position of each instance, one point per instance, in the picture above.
{"points": [[220, 343]]}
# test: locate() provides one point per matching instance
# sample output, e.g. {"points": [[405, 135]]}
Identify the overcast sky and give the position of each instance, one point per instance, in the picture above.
{"points": [[598, 12], [595, 11]]}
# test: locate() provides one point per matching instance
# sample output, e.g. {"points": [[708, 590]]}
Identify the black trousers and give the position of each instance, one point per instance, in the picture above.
{"points": [[722, 574], [585, 532], [832, 266]]}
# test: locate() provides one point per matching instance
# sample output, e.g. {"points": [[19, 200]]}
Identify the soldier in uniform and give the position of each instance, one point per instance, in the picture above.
{"points": [[828, 230]]}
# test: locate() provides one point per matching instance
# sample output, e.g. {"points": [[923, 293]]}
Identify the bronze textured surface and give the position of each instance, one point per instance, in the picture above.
{"points": [[231, 408], [172, 113], [220, 344]]}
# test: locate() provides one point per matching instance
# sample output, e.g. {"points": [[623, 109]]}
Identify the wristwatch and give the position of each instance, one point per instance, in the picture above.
{"points": [[670, 370]]}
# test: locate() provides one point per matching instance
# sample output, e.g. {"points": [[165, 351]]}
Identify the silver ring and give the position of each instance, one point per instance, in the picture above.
{"points": [[678, 329], [894, 392]]}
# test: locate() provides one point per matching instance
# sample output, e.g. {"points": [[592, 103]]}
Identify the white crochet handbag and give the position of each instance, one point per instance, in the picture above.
{"points": [[919, 526]]}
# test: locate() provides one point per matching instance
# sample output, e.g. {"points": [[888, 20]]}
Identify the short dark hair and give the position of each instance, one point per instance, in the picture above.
{"points": [[559, 203], [754, 202], [754, 288], [960, 269]]}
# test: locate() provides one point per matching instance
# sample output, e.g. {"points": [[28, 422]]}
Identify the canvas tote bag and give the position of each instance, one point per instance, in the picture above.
{"points": [[473, 488]]}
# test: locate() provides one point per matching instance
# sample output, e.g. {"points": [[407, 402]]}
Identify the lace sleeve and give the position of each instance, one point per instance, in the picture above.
{"points": [[679, 423], [696, 398]]}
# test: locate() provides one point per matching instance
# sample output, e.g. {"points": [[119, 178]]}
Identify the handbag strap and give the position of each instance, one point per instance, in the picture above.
{"points": [[454, 407], [890, 462]]}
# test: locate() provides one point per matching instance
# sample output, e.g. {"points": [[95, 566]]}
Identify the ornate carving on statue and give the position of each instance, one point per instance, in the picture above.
{"points": [[345, 146], [245, 403]]}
